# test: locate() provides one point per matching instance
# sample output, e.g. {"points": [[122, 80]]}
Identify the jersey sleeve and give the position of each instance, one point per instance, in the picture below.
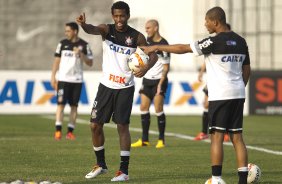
{"points": [[88, 52], [58, 51], [203, 46], [166, 58], [165, 55]]}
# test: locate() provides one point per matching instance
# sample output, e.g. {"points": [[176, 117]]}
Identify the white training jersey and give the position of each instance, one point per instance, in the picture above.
{"points": [[224, 54], [163, 58], [117, 47], [71, 66]]}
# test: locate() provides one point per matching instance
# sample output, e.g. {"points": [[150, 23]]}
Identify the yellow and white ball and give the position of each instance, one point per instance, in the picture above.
{"points": [[137, 59]]}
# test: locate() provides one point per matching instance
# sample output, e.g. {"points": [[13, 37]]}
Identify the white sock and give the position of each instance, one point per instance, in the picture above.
{"points": [[215, 179]]}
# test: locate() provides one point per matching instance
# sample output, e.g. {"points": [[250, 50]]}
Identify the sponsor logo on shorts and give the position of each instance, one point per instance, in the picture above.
{"points": [[94, 113]]}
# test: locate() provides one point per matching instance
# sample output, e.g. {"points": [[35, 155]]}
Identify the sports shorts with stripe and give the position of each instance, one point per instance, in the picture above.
{"points": [[68, 93], [226, 115], [150, 87], [112, 103]]}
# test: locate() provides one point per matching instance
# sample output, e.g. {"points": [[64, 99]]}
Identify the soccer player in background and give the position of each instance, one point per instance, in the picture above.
{"points": [[70, 55], [228, 71], [204, 133], [116, 89], [154, 87]]}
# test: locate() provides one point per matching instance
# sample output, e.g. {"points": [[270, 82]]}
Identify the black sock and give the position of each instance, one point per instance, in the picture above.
{"points": [[59, 128], [161, 126], [70, 129], [242, 177], [100, 156], [145, 120], [205, 122], [124, 162], [216, 170]]}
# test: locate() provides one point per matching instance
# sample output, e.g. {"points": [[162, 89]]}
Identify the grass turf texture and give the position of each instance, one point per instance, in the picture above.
{"points": [[29, 152]]}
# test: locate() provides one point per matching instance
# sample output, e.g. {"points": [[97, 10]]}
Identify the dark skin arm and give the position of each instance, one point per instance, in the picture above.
{"points": [[246, 72], [185, 48], [101, 29], [176, 49]]}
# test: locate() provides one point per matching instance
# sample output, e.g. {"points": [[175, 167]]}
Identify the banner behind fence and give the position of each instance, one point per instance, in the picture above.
{"points": [[266, 92], [31, 92]]}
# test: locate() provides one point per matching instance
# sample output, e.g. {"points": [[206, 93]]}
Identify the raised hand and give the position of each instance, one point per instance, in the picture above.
{"points": [[81, 19]]}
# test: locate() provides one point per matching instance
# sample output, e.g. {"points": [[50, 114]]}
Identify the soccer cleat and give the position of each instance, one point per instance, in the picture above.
{"points": [[120, 176], [201, 136], [97, 170], [226, 138], [160, 144], [58, 135], [140, 143], [70, 136]]}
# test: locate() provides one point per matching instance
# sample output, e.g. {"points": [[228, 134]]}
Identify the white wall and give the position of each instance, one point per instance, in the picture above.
{"points": [[176, 24]]}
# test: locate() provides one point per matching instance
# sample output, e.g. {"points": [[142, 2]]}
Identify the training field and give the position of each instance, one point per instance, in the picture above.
{"points": [[28, 151]]}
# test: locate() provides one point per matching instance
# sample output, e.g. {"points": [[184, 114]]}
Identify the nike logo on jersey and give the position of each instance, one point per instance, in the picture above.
{"points": [[23, 36]]}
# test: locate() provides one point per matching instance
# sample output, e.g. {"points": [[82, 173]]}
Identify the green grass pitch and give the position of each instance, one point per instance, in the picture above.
{"points": [[29, 152]]}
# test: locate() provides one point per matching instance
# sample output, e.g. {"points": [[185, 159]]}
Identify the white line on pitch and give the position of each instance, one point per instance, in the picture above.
{"points": [[181, 136]]}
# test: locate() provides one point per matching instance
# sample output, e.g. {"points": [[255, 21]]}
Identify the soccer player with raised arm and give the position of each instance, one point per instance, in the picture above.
{"points": [[116, 89], [228, 71]]}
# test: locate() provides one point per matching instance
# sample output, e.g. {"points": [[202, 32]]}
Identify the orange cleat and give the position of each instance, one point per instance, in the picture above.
{"points": [[201, 136], [226, 138], [58, 135], [70, 136]]}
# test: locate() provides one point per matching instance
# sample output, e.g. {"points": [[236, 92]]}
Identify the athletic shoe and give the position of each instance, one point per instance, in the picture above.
{"points": [[97, 170], [201, 136], [160, 144], [140, 143], [58, 135], [215, 181], [70, 136], [120, 176], [226, 138]]}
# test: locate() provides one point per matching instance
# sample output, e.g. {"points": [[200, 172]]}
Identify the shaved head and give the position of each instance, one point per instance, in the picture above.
{"points": [[154, 22], [152, 29], [216, 13]]}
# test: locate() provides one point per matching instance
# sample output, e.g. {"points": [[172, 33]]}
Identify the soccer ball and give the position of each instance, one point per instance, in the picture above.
{"points": [[254, 173], [138, 58], [220, 181]]}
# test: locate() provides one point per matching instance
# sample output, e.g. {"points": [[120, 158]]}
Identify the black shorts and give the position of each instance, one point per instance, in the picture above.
{"points": [[226, 115], [115, 103], [68, 93], [149, 87]]}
